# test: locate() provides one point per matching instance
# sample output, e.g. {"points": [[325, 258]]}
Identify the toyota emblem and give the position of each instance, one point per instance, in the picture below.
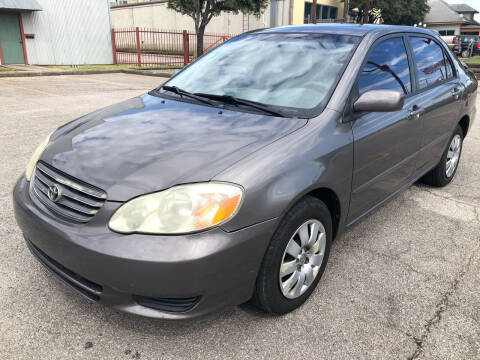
{"points": [[54, 193]]}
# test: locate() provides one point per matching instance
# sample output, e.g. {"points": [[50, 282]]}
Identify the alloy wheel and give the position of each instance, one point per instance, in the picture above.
{"points": [[302, 259], [453, 155]]}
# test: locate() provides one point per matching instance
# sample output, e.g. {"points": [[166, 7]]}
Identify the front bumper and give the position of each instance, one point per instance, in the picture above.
{"points": [[216, 267]]}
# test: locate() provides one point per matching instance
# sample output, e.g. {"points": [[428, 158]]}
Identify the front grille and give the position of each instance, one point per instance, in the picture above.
{"points": [[167, 304], [79, 283], [78, 201]]}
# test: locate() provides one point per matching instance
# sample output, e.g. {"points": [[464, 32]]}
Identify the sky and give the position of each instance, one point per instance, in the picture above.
{"points": [[473, 3]]}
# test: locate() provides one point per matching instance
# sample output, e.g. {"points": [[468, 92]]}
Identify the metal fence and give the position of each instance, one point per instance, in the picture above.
{"points": [[151, 47]]}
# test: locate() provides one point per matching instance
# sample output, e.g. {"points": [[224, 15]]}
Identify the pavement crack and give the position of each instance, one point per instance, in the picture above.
{"points": [[434, 193], [441, 307]]}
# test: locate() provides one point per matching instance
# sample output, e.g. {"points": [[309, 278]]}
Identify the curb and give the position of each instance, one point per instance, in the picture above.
{"points": [[82, 72], [146, 73]]}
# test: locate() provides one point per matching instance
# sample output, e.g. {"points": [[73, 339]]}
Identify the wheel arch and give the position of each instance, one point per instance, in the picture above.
{"points": [[332, 201], [330, 198], [464, 124]]}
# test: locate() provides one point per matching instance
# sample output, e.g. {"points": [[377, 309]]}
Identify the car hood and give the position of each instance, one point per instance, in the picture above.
{"points": [[147, 144]]}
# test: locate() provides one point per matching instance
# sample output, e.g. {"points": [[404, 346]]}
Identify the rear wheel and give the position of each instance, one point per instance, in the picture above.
{"points": [[444, 172], [295, 259]]}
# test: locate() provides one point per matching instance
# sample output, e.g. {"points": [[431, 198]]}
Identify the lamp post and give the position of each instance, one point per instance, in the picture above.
{"points": [[314, 11]]}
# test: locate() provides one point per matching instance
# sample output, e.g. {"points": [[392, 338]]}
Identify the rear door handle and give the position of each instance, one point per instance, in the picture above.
{"points": [[456, 93]]}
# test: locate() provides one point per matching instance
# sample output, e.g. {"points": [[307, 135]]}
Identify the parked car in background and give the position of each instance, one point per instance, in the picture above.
{"points": [[230, 182], [466, 45]]}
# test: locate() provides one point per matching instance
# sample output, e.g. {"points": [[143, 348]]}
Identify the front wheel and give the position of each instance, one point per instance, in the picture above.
{"points": [[444, 172], [295, 259]]}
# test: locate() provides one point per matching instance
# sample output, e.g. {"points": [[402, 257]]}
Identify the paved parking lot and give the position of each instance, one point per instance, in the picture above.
{"points": [[403, 283]]}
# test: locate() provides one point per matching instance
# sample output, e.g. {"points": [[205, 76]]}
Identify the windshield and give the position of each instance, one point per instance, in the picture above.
{"points": [[293, 70]]}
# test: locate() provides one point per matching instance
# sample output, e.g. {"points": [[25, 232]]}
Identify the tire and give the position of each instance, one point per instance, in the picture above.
{"points": [[268, 295], [439, 176], [465, 54]]}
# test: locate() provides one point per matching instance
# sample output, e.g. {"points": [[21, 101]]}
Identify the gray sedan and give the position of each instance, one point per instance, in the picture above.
{"points": [[230, 182]]}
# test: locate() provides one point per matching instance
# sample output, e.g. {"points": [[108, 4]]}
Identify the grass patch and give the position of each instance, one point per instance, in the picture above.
{"points": [[2, 68], [111, 67], [474, 60], [157, 67]]}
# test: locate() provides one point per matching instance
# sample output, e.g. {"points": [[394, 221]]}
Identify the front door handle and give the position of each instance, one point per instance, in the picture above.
{"points": [[415, 112]]}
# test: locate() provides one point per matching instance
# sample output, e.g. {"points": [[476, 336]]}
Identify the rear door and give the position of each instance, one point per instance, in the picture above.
{"points": [[438, 90], [385, 144]]}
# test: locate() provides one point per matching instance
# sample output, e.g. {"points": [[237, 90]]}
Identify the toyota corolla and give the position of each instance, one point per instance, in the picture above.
{"points": [[230, 182]]}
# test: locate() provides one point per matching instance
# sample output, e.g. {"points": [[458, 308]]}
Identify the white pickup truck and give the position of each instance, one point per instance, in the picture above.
{"points": [[450, 40]]}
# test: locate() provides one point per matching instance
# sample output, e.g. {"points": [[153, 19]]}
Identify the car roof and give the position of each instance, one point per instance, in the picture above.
{"points": [[346, 29]]}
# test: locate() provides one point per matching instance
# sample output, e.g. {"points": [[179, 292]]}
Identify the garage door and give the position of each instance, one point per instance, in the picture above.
{"points": [[10, 39]]}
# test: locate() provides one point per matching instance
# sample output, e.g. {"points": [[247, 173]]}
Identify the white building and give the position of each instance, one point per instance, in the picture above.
{"points": [[154, 14], [55, 32]]}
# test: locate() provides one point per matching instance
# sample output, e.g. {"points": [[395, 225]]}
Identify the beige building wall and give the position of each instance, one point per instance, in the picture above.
{"points": [[158, 16], [455, 27]]}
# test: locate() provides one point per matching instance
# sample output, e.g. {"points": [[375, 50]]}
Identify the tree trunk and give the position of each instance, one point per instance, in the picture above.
{"points": [[346, 7], [367, 12], [314, 11], [200, 32]]}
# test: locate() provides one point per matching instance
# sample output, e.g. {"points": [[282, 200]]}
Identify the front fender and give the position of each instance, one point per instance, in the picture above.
{"points": [[319, 155]]}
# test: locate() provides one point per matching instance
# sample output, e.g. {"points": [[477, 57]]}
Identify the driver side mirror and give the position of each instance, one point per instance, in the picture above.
{"points": [[380, 101]]}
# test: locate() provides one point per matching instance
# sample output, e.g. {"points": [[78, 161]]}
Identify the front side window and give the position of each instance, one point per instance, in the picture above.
{"points": [[386, 68], [430, 60], [293, 70]]}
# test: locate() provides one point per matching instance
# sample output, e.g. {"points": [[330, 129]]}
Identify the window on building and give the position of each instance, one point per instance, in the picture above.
{"points": [[324, 12], [329, 12], [446, 32], [386, 68], [430, 60]]}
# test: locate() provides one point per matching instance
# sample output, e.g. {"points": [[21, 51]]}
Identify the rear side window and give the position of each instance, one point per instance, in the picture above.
{"points": [[432, 66], [386, 68], [448, 66]]}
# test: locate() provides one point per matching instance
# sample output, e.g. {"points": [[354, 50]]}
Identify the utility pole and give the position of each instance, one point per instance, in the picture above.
{"points": [[314, 11], [367, 11]]}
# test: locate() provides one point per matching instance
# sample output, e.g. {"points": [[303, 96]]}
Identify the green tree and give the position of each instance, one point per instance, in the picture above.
{"points": [[202, 11], [395, 12]]}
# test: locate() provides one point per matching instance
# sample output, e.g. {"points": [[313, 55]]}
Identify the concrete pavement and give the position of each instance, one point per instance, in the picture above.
{"points": [[402, 284]]}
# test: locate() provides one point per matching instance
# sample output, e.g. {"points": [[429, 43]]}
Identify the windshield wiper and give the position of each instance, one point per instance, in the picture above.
{"points": [[238, 101], [182, 92]]}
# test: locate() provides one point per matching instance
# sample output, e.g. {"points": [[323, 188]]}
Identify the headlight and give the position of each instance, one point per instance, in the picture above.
{"points": [[180, 209], [35, 156]]}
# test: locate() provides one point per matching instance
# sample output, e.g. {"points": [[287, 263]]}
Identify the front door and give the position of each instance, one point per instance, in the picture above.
{"points": [[386, 144], [11, 40]]}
